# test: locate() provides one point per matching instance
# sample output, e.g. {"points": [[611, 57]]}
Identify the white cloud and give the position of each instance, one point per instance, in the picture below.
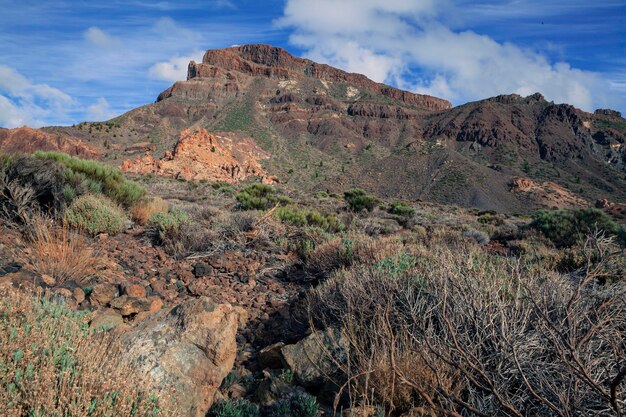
{"points": [[100, 111], [23, 102], [174, 69], [100, 38], [403, 42]]}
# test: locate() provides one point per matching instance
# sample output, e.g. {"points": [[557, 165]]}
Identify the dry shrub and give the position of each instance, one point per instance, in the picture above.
{"points": [[17, 202], [342, 252], [461, 332], [146, 207], [54, 365], [57, 251]]}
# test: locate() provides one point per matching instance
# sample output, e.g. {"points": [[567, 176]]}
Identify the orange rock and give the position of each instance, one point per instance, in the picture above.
{"points": [[549, 194], [135, 290], [199, 155], [28, 140]]}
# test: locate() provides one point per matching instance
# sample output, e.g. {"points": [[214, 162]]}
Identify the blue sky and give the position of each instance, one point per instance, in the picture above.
{"points": [[62, 62]]}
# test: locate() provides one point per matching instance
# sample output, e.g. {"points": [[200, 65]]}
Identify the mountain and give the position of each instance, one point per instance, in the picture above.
{"points": [[316, 127]]}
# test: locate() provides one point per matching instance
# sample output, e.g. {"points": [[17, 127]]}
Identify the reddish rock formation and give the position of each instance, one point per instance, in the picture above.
{"points": [[548, 194], [28, 140], [199, 155], [273, 62], [616, 210]]}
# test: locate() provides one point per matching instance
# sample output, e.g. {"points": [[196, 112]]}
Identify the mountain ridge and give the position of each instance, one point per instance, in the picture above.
{"points": [[324, 129]]}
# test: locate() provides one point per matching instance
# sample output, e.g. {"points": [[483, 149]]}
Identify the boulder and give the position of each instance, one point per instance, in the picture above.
{"points": [[187, 351], [313, 360], [102, 294], [128, 306], [134, 290], [107, 320]]}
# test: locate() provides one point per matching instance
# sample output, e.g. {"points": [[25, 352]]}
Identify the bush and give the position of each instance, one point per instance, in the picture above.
{"points": [[358, 200], [96, 177], [178, 234], [456, 331], [52, 364], [565, 227], [30, 185], [259, 197], [304, 217], [401, 209], [234, 408], [146, 207], [160, 223], [297, 404], [59, 253], [95, 214]]}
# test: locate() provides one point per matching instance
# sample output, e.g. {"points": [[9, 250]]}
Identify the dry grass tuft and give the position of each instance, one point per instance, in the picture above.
{"points": [[60, 253], [145, 208], [54, 365]]}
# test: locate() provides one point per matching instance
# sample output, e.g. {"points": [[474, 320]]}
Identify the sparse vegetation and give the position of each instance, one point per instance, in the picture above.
{"points": [[304, 217], [259, 197], [52, 364], [235, 408], [142, 211], [359, 200]]}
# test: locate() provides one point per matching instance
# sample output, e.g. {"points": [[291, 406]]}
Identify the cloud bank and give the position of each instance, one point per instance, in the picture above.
{"points": [[24, 102], [407, 43]]}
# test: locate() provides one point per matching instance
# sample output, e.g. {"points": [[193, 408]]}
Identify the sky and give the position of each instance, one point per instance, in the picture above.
{"points": [[63, 62]]}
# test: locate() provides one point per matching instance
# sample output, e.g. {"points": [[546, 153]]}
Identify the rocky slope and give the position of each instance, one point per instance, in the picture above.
{"points": [[26, 139], [325, 129]]}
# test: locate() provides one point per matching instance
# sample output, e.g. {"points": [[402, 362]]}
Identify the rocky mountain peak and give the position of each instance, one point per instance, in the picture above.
{"points": [[273, 62]]}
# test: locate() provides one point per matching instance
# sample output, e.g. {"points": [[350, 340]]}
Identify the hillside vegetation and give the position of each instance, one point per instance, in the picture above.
{"points": [[282, 302]]}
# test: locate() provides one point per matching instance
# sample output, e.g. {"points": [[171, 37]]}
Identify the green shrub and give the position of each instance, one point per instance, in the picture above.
{"points": [[565, 227], [401, 209], [259, 197], [304, 217], [358, 200], [95, 177], [160, 223], [95, 214], [234, 408], [298, 404]]}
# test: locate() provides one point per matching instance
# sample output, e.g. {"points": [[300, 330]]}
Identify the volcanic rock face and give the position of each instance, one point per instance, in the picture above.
{"points": [[27, 140], [199, 155], [272, 62]]}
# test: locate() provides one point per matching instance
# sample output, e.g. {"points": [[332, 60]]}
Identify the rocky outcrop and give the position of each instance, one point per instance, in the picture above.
{"points": [[27, 140], [273, 62], [187, 351], [548, 194], [199, 155]]}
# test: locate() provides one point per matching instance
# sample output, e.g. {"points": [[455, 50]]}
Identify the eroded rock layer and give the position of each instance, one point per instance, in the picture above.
{"points": [[199, 155]]}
